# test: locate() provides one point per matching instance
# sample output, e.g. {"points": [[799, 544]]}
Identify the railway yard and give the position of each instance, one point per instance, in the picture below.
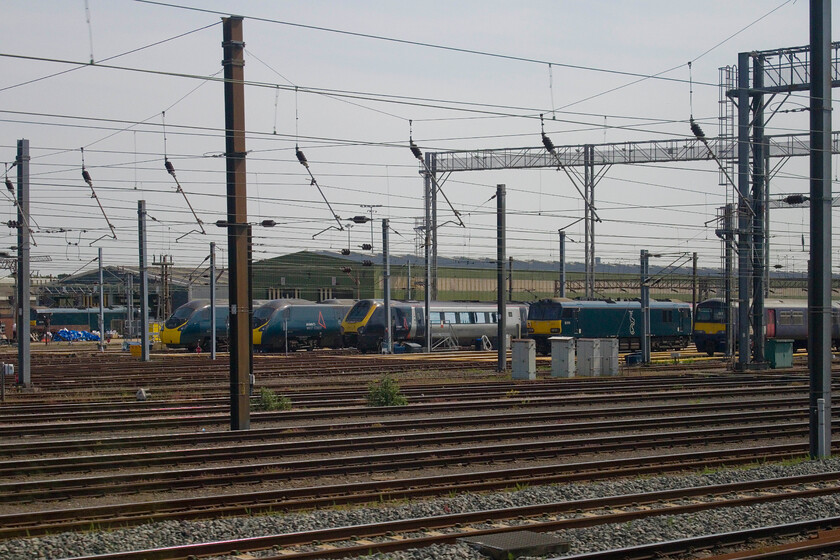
{"points": [[684, 460]]}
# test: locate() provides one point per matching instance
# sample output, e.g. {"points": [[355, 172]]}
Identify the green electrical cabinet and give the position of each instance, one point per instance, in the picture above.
{"points": [[779, 353]]}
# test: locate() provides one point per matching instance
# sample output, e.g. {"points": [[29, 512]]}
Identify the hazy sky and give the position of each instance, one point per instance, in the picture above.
{"points": [[355, 132]]}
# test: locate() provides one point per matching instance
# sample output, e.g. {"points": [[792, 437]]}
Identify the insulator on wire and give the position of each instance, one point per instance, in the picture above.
{"points": [[86, 177], [301, 158], [9, 186], [549, 145], [696, 130], [415, 149], [169, 167], [795, 199]]}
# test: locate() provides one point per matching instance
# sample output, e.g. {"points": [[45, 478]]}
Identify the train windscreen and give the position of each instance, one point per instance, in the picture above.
{"points": [[179, 317], [358, 312], [710, 315], [543, 312], [261, 315]]}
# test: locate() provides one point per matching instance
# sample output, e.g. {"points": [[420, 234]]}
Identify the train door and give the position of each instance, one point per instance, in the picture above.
{"points": [[771, 323]]}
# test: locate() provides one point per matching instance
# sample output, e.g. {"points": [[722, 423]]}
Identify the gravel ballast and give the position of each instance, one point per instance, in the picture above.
{"points": [[174, 533]]}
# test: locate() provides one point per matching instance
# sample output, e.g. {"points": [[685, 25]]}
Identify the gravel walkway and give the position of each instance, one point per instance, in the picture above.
{"points": [[68, 545]]}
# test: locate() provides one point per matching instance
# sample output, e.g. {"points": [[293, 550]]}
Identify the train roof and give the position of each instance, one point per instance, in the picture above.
{"points": [[605, 304], [770, 303], [278, 303]]}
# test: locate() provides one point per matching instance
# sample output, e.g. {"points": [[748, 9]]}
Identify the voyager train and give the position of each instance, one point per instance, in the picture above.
{"points": [[459, 323]]}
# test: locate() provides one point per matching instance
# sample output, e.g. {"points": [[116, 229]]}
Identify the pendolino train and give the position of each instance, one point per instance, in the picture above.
{"points": [[282, 324], [189, 326], [670, 322], [460, 323], [784, 319]]}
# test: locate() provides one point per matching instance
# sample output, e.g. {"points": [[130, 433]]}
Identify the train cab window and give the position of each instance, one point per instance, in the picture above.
{"points": [[434, 317], [544, 312], [481, 318], [449, 317], [181, 314], [464, 318], [203, 315], [358, 312]]}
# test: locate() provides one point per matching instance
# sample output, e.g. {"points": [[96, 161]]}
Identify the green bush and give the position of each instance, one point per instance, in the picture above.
{"points": [[270, 401], [386, 392]]}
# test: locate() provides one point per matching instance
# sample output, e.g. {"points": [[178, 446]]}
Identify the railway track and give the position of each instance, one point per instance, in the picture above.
{"points": [[770, 410], [473, 432], [390, 456], [405, 534], [31, 420], [360, 493]]}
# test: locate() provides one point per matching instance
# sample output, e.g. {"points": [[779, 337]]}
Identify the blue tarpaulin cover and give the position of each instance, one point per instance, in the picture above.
{"points": [[68, 335]]}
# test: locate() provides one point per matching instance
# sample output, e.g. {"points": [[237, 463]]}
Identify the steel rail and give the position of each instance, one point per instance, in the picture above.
{"points": [[401, 534], [787, 409], [396, 441], [30, 429], [250, 472]]}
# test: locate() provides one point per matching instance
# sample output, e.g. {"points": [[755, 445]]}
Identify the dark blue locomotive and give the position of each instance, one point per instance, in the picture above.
{"points": [[670, 322]]}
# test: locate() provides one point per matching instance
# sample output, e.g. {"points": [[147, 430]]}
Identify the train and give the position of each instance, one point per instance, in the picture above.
{"points": [[84, 319], [283, 324], [670, 322], [452, 323], [784, 319], [276, 325], [189, 326]]}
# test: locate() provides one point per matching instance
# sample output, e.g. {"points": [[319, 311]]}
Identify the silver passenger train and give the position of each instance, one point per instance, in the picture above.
{"points": [[452, 324]]}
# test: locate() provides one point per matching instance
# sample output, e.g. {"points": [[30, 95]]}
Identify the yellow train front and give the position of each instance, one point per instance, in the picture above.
{"points": [[357, 318], [189, 326]]}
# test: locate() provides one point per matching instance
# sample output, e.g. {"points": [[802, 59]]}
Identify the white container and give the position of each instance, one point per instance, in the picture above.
{"points": [[562, 356], [609, 356], [524, 359], [589, 357]]}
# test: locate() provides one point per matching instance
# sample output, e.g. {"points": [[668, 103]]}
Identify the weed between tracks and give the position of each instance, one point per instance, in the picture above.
{"points": [[269, 400], [386, 392]]}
